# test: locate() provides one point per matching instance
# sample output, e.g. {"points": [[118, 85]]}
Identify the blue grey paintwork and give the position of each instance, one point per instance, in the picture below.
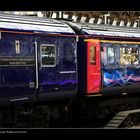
{"points": [[17, 81]]}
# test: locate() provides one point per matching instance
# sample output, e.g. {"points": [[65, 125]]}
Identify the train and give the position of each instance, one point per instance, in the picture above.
{"points": [[60, 70]]}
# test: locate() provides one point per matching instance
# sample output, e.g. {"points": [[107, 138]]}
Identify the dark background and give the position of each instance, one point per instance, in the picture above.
{"points": [[74, 5], [69, 5]]}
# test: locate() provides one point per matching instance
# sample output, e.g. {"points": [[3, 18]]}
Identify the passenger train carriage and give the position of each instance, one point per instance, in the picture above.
{"points": [[37, 59], [108, 59], [59, 64]]}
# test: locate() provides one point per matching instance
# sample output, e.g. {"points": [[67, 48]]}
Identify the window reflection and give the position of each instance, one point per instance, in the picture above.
{"points": [[129, 56], [111, 55], [93, 55], [48, 56]]}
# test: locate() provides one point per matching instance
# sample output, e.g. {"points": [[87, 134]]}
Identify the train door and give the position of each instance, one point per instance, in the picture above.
{"points": [[93, 66], [67, 65], [48, 71], [57, 69], [17, 68]]}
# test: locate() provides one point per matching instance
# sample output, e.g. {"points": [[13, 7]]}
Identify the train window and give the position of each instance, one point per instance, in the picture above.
{"points": [[111, 55], [68, 54], [129, 56], [17, 46], [48, 55], [93, 55], [104, 55]]}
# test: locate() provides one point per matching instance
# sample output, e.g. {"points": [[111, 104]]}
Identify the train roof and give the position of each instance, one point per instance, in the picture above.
{"points": [[104, 30], [33, 24]]}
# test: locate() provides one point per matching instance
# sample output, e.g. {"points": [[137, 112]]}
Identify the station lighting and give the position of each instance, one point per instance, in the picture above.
{"points": [[53, 15], [108, 21], [65, 16], [83, 19], [105, 18], [128, 24], [91, 20], [114, 22], [135, 24], [100, 20], [74, 18], [121, 23], [39, 14]]}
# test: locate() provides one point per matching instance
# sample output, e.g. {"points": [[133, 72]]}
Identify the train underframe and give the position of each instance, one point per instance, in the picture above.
{"points": [[33, 115], [55, 114]]}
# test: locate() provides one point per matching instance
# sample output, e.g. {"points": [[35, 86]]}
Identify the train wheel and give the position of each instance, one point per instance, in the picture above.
{"points": [[102, 113]]}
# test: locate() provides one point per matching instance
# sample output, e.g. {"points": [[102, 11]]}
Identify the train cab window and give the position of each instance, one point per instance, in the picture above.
{"points": [[129, 56], [93, 55], [111, 55], [48, 55]]}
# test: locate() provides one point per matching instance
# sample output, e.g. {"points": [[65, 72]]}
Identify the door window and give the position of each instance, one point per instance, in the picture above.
{"points": [[48, 55], [93, 55]]}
